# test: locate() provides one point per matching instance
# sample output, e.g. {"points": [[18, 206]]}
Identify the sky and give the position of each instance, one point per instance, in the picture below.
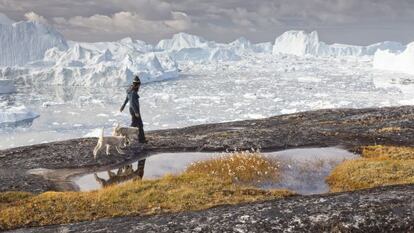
{"points": [[358, 22]]}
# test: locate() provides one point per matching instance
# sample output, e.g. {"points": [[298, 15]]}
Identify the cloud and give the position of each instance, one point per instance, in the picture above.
{"points": [[349, 21], [31, 16], [122, 24]]}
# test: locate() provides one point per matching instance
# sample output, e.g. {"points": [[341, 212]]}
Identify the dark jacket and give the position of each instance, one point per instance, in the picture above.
{"points": [[133, 98]]}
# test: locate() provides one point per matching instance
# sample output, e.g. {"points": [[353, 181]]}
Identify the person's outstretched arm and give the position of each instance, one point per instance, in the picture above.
{"points": [[125, 102]]}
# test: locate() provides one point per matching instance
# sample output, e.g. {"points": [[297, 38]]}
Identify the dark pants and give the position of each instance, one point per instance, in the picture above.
{"points": [[137, 122]]}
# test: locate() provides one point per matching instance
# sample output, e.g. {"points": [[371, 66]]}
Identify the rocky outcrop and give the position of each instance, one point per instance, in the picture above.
{"points": [[349, 128], [386, 209]]}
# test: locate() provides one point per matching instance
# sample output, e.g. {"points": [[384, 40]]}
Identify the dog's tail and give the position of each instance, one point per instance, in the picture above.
{"points": [[101, 136], [115, 129]]}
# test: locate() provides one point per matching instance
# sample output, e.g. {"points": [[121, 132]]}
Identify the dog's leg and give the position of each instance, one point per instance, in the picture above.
{"points": [[111, 174], [107, 149], [97, 149], [127, 140]]}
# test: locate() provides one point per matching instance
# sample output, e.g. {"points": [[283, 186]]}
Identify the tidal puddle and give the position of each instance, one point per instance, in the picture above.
{"points": [[302, 170], [153, 167]]}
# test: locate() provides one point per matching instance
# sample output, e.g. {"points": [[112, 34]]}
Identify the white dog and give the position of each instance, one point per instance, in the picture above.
{"points": [[115, 141], [130, 133]]}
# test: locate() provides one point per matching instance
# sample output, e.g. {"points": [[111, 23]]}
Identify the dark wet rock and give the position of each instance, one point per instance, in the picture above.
{"points": [[19, 180], [385, 209], [349, 128]]}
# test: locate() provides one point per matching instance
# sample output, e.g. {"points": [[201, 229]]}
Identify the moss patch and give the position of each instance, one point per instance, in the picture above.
{"points": [[379, 166]]}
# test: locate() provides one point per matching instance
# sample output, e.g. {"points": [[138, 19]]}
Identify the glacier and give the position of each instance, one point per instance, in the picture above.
{"points": [[394, 61]]}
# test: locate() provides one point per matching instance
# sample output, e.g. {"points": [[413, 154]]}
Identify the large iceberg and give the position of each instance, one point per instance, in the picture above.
{"points": [[399, 62], [297, 43], [184, 47], [93, 67], [300, 43], [32, 53], [27, 41], [5, 20], [16, 116], [182, 41]]}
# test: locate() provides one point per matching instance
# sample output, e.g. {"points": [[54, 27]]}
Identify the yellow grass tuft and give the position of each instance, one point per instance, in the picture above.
{"points": [[12, 197], [240, 167], [389, 129], [379, 166], [388, 152], [188, 191]]}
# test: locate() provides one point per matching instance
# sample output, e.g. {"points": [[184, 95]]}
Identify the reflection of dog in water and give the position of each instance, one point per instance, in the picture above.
{"points": [[130, 133], [115, 141], [123, 174]]}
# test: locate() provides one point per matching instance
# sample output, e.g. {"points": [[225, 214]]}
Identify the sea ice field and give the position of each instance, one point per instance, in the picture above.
{"points": [[255, 87]]}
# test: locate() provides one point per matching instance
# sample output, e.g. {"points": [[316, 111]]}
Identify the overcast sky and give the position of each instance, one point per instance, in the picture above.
{"points": [[345, 21]]}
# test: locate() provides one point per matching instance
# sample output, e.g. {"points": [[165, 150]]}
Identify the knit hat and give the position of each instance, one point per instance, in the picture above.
{"points": [[136, 80]]}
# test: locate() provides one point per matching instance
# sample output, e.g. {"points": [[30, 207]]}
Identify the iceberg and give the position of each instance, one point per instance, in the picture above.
{"points": [[184, 47], [26, 41], [393, 61], [32, 53], [182, 41], [297, 43], [36, 54], [5, 20], [16, 116], [300, 43], [223, 54], [79, 66]]}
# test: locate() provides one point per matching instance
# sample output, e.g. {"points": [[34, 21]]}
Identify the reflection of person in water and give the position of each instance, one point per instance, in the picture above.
{"points": [[123, 174]]}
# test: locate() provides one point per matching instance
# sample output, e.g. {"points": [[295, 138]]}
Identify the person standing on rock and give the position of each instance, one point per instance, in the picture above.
{"points": [[133, 98]]}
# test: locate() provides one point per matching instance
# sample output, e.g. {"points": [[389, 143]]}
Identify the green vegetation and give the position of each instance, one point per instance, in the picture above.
{"points": [[379, 166], [191, 190]]}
